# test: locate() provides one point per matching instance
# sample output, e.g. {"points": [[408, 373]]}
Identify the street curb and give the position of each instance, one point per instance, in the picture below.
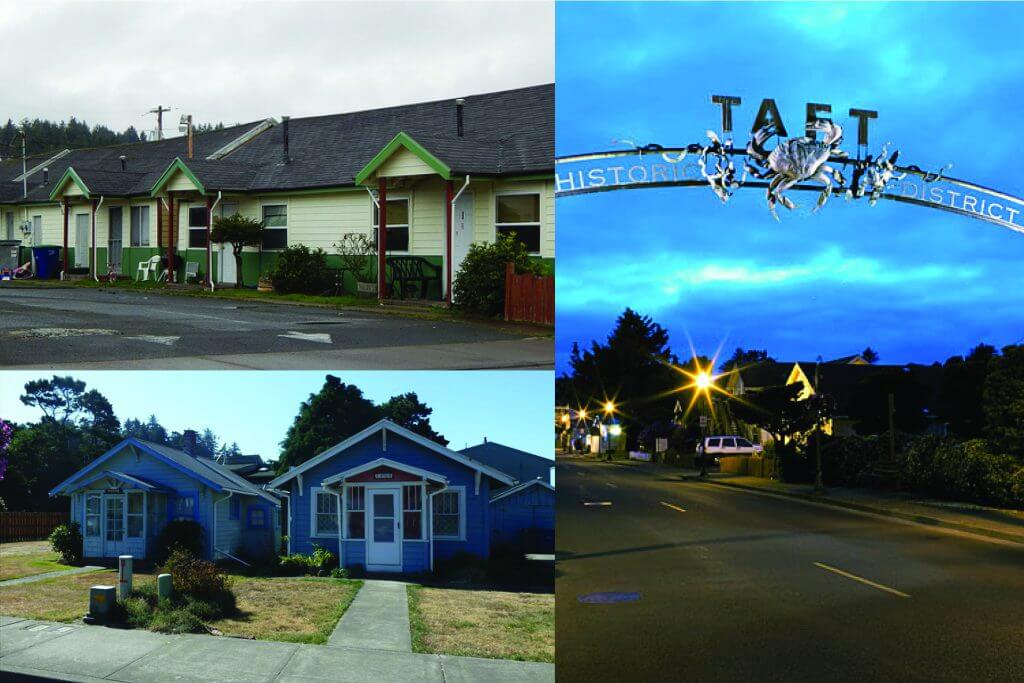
{"points": [[919, 519]]}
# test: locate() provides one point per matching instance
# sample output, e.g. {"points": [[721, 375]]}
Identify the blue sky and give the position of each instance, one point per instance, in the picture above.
{"points": [[915, 284], [256, 408]]}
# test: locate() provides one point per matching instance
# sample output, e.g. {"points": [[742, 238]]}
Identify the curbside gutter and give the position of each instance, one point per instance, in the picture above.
{"points": [[860, 507]]}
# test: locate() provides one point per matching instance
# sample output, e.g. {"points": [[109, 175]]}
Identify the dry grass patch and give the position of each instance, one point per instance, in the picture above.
{"points": [[301, 610], [63, 598], [28, 558], [479, 623]]}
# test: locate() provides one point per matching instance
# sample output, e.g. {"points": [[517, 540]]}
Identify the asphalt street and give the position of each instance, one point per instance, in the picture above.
{"points": [[55, 328], [664, 579]]}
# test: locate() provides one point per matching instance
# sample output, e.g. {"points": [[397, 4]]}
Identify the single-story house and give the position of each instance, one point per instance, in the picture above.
{"points": [[124, 499], [436, 176], [391, 500]]}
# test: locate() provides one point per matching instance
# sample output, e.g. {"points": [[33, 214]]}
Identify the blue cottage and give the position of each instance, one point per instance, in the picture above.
{"points": [[124, 499], [391, 500]]}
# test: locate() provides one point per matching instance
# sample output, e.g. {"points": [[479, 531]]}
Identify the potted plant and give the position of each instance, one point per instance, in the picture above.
{"points": [[265, 284], [358, 255]]}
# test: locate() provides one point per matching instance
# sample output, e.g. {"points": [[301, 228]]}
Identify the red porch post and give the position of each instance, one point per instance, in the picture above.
{"points": [[209, 253], [67, 210], [170, 237], [382, 236], [159, 224], [448, 221]]}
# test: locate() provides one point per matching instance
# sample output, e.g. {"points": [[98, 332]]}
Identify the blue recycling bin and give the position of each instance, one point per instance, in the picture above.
{"points": [[47, 262]]}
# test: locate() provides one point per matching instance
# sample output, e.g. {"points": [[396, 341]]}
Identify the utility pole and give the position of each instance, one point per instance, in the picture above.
{"points": [[892, 429], [24, 164], [819, 485], [159, 111]]}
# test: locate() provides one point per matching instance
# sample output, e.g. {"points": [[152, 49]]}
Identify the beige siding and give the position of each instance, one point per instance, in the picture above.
{"points": [[403, 163], [180, 182]]}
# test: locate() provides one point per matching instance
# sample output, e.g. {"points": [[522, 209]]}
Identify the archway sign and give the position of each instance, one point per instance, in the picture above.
{"points": [[780, 164]]}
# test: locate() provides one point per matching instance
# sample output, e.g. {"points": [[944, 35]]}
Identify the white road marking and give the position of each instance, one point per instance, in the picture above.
{"points": [[318, 337], [861, 579], [153, 339], [674, 507], [602, 503]]}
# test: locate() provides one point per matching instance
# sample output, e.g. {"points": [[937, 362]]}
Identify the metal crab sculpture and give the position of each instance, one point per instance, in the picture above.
{"points": [[796, 160]]}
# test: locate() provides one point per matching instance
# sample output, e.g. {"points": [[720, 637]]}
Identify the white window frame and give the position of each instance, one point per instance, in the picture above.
{"points": [[128, 514], [314, 528], [408, 226], [9, 225], [37, 235], [143, 227], [422, 493], [287, 220], [540, 217], [195, 228], [347, 509], [86, 514], [461, 491]]}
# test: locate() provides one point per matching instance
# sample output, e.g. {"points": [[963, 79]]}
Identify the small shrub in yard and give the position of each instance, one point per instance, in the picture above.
{"points": [[302, 270], [293, 565], [176, 620], [199, 579], [181, 533], [479, 285], [66, 541], [321, 563]]}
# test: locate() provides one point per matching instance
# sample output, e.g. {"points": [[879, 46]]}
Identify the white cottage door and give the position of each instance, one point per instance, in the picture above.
{"points": [[81, 240], [114, 239], [113, 525], [226, 267], [383, 547], [462, 231]]}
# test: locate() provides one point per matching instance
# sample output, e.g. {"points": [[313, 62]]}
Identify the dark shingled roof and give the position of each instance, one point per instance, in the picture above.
{"points": [[767, 373], [505, 133], [519, 465]]}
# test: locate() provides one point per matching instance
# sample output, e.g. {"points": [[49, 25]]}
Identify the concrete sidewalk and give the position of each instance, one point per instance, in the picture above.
{"points": [[377, 619], [75, 652], [50, 575]]}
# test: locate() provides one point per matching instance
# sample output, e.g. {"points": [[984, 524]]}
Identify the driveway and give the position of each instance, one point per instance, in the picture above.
{"points": [[62, 327]]}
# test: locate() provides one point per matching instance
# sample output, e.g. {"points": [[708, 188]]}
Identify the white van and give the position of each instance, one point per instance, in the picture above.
{"points": [[729, 445]]}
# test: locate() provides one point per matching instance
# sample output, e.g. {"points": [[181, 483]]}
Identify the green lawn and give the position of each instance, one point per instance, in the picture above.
{"points": [[483, 623], [27, 558]]}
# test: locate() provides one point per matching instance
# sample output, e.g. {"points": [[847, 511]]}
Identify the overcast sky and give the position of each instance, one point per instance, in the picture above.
{"points": [[917, 285], [108, 62]]}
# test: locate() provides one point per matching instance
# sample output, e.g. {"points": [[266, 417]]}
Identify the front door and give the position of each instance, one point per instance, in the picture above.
{"points": [[113, 525], [82, 240], [226, 255], [114, 240], [462, 231], [383, 547]]}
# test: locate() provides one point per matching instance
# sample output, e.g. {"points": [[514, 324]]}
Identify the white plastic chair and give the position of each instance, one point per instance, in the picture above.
{"points": [[191, 270], [147, 267]]}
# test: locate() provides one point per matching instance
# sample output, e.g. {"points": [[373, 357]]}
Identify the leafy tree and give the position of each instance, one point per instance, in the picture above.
{"points": [[870, 355], [413, 414], [1003, 398], [742, 358], [240, 232], [778, 411], [869, 402], [961, 404], [479, 285]]}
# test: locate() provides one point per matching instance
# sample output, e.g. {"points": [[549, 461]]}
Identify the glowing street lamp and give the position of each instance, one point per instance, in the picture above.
{"points": [[609, 407]]}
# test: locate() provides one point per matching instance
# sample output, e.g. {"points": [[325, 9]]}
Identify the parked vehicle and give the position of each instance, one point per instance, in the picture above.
{"points": [[718, 446]]}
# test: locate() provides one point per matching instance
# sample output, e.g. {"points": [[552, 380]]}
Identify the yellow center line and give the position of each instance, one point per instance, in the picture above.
{"points": [[861, 579], [674, 507]]}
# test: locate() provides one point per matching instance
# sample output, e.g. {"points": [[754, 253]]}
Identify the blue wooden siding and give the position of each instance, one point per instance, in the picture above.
{"points": [[523, 512], [477, 512]]}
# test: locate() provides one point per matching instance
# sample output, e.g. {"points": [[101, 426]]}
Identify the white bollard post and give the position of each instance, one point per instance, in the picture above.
{"points": [[124, 576]]}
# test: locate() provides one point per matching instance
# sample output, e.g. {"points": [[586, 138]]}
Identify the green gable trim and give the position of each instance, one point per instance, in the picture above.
{"points": [[165, 177], [71, 175], [404, 140]]}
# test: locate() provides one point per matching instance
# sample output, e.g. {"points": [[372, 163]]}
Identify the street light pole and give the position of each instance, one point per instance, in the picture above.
{"points": [[819, 401]]}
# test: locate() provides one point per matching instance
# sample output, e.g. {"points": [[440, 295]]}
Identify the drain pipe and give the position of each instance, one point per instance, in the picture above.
{"points": [[451, 227], [95, 263], [209, 247], [431, 518]]}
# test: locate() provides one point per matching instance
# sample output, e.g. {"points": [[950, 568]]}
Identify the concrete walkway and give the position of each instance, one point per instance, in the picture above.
{"points": [[50, 575], [74, 652], [377, 619]]}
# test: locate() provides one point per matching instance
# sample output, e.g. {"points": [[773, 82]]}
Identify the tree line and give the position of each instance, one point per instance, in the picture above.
{"points": [[78, 425], [43, 136]]}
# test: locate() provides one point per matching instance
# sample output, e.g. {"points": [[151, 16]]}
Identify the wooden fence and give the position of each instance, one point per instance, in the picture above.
{"points": [[29, 526], [529, 298]]}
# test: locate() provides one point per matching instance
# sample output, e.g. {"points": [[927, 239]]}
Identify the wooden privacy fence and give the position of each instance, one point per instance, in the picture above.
{"points": [[29, 526], [529, 298]]}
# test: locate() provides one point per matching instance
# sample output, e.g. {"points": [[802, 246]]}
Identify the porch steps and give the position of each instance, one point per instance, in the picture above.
{"points": [[377, 619]]}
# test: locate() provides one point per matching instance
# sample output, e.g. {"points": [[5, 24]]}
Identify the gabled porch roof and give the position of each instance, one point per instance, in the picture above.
{"points": [[384, 462], [127, 480], [403, 141]]}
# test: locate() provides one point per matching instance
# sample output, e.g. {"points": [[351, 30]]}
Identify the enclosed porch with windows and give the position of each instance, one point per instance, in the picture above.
{"points": [[121, 514]]}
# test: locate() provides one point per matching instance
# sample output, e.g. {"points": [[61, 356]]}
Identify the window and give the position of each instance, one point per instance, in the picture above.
{"points": [[115, 518], [9, 225], [275, 226], [197, 227], [236, 508], [356, 512], [228, 209], [184, 507], [325, 520], [140, 226], [519, 214], [135, 515], [728, 443], [37, 230], [398, 225], [257, 517], [448, 514], [412, 513], [713, 443], [92, 515], [743, 443]]}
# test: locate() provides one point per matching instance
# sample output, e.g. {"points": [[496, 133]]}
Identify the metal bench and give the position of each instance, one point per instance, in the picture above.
{"points": [[413, 271]]}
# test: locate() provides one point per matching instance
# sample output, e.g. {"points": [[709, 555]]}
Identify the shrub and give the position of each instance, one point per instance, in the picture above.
{"points": [[357, 253], [199, 579], [323, 560], [479, 285], [302, 270], [176, 620], [339, 573], [293, 565], [183, 533], [321, 563], [968, 471], [66, 541]]}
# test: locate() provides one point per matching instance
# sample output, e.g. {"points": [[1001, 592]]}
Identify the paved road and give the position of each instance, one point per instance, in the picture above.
{"points": [[55, 328], [741, 586]]}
